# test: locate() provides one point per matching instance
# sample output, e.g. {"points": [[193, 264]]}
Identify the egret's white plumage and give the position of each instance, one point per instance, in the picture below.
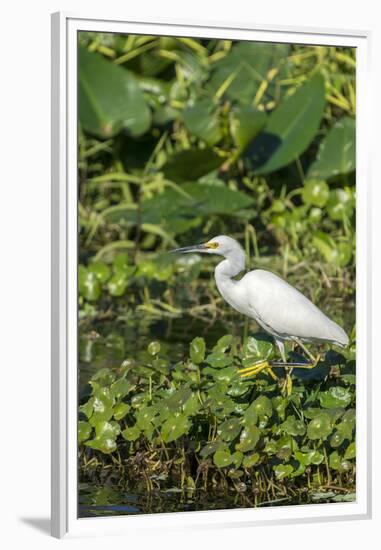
{"points": [[278, 308]]}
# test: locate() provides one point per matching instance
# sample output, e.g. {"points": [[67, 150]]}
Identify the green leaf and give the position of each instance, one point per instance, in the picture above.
{"points": [[202, 121], [120, 388], [336, 153], [340, 205], [245, 123], [104, 444], [197, 350], [84, 431], [263, 406], [251, 460], [257, 349], [153, 348], [283, 470], [290, 128], [131, 434], [109, 97], [117, 284], [174, 427], [88, 284], [222, 458], [335, 397], [292, 426], [319, 427], [121, 410], [249, 438], [107, 430], [315, 192], [100, 270], [211, 448], [191, 164], [219, 360], [350, 451], [240, 73], [229, 429], [178, 399]]}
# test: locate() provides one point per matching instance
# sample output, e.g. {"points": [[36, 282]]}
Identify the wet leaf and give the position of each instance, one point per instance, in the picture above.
{"points": [[222, 458], [335, 397], [121, 410], [84, 431], [315, 192], [132, 433], [229, 429], [290, 128], [336, 153], [105, 110], [174, 427], [178, 398], [319, 427], [219, 360], [283, 470], [202, 121], [197, 350], [249, 439]]}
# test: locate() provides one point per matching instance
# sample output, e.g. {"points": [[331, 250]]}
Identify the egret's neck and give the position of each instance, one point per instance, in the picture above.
{"points": [[233, 264]]}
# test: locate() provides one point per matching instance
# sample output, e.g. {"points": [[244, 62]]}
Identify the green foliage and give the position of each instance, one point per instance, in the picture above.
{"points": [[180, 140], [207, 416]]}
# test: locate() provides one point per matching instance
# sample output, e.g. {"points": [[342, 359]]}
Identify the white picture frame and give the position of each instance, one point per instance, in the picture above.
{"points": [[64, 278]]}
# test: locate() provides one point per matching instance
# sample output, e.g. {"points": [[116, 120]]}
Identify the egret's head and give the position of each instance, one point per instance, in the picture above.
{"points": [[221, 245]]}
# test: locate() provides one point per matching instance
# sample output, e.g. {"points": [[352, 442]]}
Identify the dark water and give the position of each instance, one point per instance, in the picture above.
{"points": [[109, 343], [97, 500]]}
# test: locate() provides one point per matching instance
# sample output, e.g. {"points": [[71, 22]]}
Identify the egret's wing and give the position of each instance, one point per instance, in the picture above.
{"points": [[284, 311]]}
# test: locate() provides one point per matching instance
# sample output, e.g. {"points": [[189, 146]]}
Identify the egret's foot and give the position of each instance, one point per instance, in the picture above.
{"points": [[255, 369], [286, 387]]}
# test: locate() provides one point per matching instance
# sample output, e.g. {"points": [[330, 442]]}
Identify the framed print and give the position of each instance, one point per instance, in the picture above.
{"points": [[211, 291]]}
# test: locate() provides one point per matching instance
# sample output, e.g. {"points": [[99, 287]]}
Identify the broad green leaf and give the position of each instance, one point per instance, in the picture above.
{"points": [[335, 397], [211, 448], [178, 399], [340, 204], [293, 426], [121, 410], [229, 429], [84, 431], [202, 121], [263, 406], [283, 470], [249, 438], [219, 360], [104, 444], [100, 270], [336, 153], [350, 451], [319, 427], [109, 97], [315, 192], [197, 350], [117, 284], [88, 284], [174, 427], [290, 128], [153, 348], [191, 164], [132, 433], [245, 123], [222, 458], [239, 74], [251, 460]]}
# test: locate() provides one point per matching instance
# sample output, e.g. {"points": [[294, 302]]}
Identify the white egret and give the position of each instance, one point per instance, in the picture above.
{"points": [[279, 308]]}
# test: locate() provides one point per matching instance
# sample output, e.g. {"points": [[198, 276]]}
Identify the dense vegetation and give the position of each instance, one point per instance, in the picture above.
{"points": [[181, 140]]}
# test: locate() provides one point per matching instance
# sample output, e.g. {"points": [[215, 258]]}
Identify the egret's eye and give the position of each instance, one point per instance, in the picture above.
{"points": [[212, 245]]}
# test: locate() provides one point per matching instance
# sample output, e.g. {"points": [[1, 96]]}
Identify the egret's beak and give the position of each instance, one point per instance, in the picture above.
{"points": [[195, 248]]}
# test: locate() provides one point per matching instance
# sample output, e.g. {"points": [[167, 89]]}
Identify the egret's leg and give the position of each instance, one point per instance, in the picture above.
{"points": [[314, 360], [287, 384], [255, 369]]}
